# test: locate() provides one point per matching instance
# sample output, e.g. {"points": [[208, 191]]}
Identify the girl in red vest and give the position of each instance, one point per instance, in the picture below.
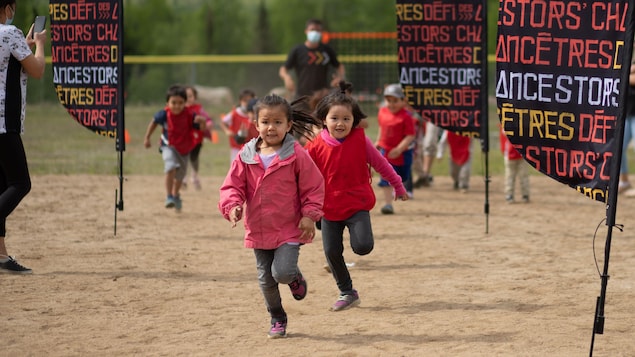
{"points": [[343, 154]]}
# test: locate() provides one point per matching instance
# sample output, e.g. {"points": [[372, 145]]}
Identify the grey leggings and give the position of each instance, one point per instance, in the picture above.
{"points": [[362, 243], [276, 266]]}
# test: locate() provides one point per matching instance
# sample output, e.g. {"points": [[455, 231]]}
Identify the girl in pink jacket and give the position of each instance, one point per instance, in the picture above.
{"points": [[344, 153], [284, 192]]}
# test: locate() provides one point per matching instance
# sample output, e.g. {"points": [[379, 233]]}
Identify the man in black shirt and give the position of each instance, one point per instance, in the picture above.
{"points": [[312, 62]]}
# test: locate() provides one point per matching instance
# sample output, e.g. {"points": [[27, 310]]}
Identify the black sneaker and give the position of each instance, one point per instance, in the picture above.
{"points": [[13, 267], [423, 182], [387, 209]]}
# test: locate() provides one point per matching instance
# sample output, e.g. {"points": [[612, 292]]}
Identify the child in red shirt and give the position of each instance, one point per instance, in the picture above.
{"points": [[343, 154], [396, 133], [515, 166], [206, 131], [238, 125], [178, 123], [460, 160]]}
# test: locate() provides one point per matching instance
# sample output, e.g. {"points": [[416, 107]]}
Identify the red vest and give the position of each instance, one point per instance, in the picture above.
{"points": [[241, 123], [180, 129], [347, 179]]}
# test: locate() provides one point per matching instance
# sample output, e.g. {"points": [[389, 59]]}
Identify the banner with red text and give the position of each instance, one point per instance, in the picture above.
{"points": [[561, 81], [443, 62], [87, 61]]}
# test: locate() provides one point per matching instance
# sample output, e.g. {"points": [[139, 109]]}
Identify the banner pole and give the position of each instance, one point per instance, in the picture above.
{"points": [[485, 112], [120, 142], [611, 208]]}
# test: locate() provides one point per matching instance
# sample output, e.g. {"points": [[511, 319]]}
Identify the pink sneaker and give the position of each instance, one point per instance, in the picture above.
{"points": [[298, 287], [278, 329], [346, 301]]}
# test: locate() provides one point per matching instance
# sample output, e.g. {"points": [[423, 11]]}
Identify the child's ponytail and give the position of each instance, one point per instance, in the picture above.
{"points": [[303, 119], [345, 87]]}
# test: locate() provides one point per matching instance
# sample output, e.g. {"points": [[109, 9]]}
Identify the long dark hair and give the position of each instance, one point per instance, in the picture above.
{"points": [[297, 112], [340, 96]]}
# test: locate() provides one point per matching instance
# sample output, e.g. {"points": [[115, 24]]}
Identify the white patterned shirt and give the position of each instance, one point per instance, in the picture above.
{"points": [[13, 78]]}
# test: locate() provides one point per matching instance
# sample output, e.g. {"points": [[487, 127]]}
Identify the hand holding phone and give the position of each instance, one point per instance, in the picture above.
{"points": [[38, 25]]}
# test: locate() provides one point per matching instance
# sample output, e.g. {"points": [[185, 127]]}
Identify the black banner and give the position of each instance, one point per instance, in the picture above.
{"points": [[87, 61], [442, 61], [562, 73]]}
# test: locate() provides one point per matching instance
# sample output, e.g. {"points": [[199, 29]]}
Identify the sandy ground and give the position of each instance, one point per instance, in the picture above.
{"points": [[437, 284]]}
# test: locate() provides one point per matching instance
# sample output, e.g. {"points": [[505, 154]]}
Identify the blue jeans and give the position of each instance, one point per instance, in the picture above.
{"points": [[629, 133]]}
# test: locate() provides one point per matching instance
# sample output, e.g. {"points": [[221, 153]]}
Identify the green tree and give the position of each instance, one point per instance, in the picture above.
{"points": [[262, 40]]}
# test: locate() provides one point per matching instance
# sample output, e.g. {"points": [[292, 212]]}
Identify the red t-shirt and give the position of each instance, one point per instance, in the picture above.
{"points": [[394, 127], [459, 148], [507, 148]]}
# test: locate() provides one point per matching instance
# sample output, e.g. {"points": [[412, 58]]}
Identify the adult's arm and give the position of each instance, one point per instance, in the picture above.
{"points": [[289, 84], [34, 64]]}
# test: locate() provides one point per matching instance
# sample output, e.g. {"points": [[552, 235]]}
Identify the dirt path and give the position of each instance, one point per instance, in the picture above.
{"points": [[435, 285]]}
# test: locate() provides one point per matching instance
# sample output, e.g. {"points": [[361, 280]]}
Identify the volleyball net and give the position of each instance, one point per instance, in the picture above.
{"points": [[370, 59]]}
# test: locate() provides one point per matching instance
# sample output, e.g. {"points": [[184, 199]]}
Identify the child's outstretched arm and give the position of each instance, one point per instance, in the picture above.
{"points": [[149, 131], [225, 123], [383, 167]]}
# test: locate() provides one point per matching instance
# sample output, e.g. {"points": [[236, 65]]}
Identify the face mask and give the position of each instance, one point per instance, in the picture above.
{"points": [[314, 36], [10, 21]]}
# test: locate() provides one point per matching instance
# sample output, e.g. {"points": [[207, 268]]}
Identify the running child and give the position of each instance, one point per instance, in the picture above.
{"points": [[283, 191], [178, 123], [343, 154], [237, 125], [207, 131], [395, 134]]}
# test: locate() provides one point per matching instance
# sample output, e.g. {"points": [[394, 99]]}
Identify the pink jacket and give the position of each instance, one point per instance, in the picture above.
{"points": [[277, 198]]}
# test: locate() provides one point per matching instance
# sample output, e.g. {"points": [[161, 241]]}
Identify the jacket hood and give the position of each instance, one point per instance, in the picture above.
{"points": [[249, 152]]}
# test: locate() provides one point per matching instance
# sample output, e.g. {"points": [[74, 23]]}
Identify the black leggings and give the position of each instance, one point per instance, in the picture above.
{"points": [[362, 242], [15, 182]]}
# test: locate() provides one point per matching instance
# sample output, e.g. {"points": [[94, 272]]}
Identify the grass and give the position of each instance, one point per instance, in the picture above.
{"points": [[56, 144]]}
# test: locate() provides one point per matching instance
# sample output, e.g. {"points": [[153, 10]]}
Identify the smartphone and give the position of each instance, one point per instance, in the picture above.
{"points": [[38, 24]]}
